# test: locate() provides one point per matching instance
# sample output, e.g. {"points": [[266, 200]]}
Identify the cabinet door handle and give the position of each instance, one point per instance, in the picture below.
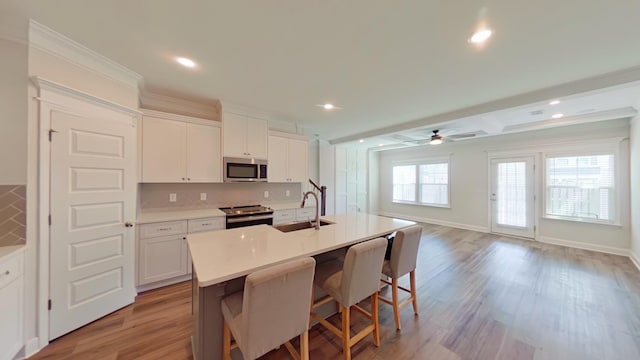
{"points": [[7, 272], [164, 229], [128, 224], [183, 179], [207, 224], [188, 179], [184, 238]]}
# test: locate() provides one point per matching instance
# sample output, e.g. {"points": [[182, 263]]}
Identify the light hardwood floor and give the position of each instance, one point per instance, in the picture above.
{"points": [[481, 296]]}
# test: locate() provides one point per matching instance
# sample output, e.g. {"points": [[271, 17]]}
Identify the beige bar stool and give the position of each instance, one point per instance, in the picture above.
{"points": [[349, 283], [404, 255], [272, 309]]}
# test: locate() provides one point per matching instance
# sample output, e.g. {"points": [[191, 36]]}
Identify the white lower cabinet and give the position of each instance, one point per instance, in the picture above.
{"points": [[307, 213], [11, 303], [162, 258], [284, 216], [163, 253]]}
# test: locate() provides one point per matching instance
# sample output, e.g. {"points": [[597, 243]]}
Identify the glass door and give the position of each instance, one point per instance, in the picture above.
{"points": [[512, 197]]}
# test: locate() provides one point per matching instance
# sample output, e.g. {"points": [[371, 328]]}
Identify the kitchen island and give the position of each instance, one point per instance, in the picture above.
{"points": [[221, 260]]}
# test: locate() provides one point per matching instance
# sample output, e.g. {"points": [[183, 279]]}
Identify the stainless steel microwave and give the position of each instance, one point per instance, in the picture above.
{"points": [[241, 169]]}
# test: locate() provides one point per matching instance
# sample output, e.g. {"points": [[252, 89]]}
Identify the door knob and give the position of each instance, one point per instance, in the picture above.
{"points": [[128, 224]]}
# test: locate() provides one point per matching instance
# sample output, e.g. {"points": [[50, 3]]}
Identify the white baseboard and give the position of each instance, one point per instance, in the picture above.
{"points": [[584, 246], [158, 284], [456, 225], [31, 347], [635, 259]]}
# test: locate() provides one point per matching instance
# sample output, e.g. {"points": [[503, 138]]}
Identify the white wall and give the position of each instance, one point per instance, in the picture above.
{"points": [[635, 189], [469, 171], [13, 112]]}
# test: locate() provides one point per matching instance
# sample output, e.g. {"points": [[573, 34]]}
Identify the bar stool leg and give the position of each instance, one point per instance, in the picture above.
{"points": [[394, 296], [226, 342], [304, 345], [374, 319], [412, 279], [346, 333]]}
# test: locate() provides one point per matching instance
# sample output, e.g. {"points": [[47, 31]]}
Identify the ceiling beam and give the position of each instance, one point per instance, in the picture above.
{"points": [[595, 83]]}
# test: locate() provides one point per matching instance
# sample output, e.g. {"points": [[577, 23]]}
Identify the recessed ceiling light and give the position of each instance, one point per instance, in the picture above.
{"points": [[554, 102], [328, 106], [380, 144], [480, 36], [361, 140], [557, 116], [186, 62]]}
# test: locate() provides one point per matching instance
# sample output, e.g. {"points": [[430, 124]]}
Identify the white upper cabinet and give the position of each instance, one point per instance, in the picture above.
{"points": [[180, 149], [288, 159], [204, 161], [244, 136]]}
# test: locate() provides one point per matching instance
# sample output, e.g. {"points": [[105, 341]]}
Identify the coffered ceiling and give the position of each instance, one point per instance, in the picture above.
{"points": [[392, 66]]}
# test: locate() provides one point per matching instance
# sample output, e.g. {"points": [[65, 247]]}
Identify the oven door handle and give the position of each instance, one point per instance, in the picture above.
{"points": [[248, 218]]}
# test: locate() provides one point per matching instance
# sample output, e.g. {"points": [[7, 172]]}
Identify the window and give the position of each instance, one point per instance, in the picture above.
{"points": [[424, 183], [581, 187], [404, 183]]}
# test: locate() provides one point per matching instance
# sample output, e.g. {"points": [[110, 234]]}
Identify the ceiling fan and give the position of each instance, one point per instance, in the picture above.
{"points": [[436, 139]]}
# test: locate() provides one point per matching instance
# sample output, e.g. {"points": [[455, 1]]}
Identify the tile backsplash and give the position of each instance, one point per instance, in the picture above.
{"points": [[12, 215], [155, 197]]}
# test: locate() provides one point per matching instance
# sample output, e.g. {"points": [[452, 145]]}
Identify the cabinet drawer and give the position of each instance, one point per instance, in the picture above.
{"points": [[163, 229], [10, 269], [305, 213], [207, 224], [283, 216]]}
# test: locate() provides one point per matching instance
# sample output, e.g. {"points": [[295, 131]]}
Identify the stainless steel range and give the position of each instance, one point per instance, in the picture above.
{"points": [[239, 216]]}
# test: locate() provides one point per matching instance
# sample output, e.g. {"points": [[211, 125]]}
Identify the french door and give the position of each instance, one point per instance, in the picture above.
{"points": [[512, 196]]}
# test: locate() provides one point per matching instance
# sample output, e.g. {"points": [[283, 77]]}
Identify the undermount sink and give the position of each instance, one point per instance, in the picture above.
{"points": [[299, 226]]}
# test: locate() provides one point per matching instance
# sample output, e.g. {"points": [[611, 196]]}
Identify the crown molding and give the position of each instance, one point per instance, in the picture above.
{"points": [[228, 106], [178, 117], [51, 42], [44, 84], [209, 110]]}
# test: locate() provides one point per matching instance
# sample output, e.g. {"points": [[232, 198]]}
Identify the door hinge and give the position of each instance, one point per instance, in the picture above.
{"points": [[51, 131], [49, 304], [49, 219]]}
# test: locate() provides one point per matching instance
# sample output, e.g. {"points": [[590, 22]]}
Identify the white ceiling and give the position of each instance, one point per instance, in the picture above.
{"points": [[392, 66]]}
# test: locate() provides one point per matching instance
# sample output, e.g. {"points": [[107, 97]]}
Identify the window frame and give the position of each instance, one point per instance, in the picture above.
{"points": [[416, 163], [581, 151]]}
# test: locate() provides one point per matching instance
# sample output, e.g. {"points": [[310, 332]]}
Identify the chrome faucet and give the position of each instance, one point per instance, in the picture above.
{"points": [[316, 222]]}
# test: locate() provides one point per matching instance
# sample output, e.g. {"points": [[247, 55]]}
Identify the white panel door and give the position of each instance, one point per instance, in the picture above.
{"points": [[298, 161], [278, 170], [512, 196], [203, 153], [163, 150], [93, 182], [257, 138], [234, 137]]}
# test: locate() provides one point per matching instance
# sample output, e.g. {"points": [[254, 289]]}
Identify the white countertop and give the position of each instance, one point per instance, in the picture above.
{"points": [[223, 255], [159, 216], [8, 250]]}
